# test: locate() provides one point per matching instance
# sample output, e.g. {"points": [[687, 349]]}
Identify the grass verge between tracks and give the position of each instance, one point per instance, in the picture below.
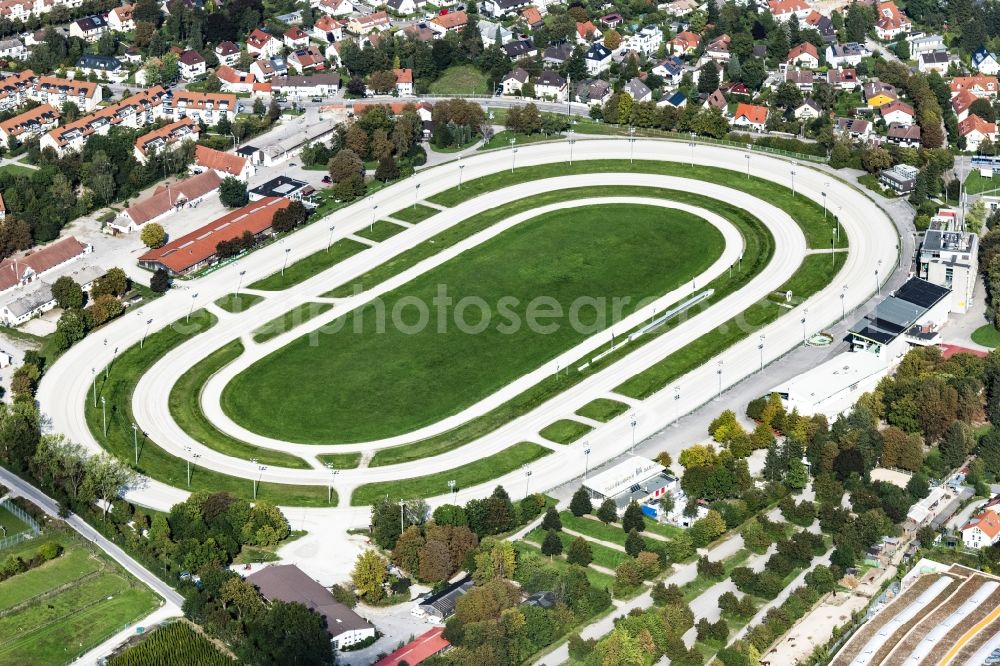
{"points": [[465, 476], [117, 389], [311, 265], [185, 408]]}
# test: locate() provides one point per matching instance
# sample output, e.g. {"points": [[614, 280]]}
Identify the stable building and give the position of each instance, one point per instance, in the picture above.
{"points": [[282, 186], [197, 249], [288, 583]]}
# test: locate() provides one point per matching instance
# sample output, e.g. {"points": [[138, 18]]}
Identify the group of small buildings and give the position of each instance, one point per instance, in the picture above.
{"points": [[645, 482], [26, 279]]}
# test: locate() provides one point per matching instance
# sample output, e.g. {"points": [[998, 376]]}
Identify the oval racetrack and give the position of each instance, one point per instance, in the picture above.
{"points": [[873, 238]]}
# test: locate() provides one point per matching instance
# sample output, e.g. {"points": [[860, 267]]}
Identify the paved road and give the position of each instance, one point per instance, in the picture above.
{"points": [[49, 506], [66, 384]]}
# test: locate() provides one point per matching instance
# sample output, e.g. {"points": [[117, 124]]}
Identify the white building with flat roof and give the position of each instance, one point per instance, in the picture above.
{"points": [[949, 257], [833, 387]]}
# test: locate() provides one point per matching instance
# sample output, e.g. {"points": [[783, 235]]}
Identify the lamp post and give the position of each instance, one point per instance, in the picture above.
{"points": [[527, 482], [329, 490], [719, 372], [760, 346], [843, 304], [460, 167], [107, 368], [747, 155], [513, 153], [239, 283], [104, 415], [194, 297], [677, 405], [401, 505], [135, 443], [824, 204], [631, 143], [371, 227], [187, 459], [632, 422], [692, 145], [260, 475], [93, 375], [416, 195], [586, 461], [805, 311], [571, 137], [145, 332], [285, 262], [451, 489], [793, 182], [330, 241]]}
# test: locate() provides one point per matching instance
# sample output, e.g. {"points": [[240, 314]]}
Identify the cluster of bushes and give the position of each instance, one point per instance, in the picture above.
{"points": [[457, 122], [492, 626], [801, 513], [648, 635], [742, 607], [780, 619], [257, 632], [760, 532], [486, 517], [15, 565], [797, 551], [528, 120]]}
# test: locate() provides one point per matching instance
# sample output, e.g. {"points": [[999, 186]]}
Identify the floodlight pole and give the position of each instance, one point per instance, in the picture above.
{"points": [[135, 443]]}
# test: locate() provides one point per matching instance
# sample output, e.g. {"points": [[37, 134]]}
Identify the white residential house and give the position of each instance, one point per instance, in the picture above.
{"points": [[549, 85], [597, 58], [897, 112], [260, 43], [985, 62], [488, 33], [13, 48], [403, 7], [934, 61], [404, 82], [120, 18], [846, 55], [296, 38], [808, 110], [983, 529], [513, 81], [89, 28], [336, 7], [647, 41], [191, 65], [227, 53]]}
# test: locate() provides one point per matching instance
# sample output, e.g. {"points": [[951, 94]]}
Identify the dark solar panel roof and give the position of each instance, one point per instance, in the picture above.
{"points": [[875, 334], [921, 292]]}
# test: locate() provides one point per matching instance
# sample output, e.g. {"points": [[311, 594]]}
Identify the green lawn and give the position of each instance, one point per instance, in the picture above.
{"points": [[593, 528], [976, 184], [602, 409], [56, 612], [240, 303], [286, 322], [461, 80], [414, 214], [608, 558], [341, 460], [380, 231], [816, 272], [987, 336], [18, 170], [11, 524], [759, 247], [502, 140], [668, 531], [565, 431], [807, 213], [589, 258], [154, 462], [466, 476], [598, 579], [315, 263], [185, 408]]}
